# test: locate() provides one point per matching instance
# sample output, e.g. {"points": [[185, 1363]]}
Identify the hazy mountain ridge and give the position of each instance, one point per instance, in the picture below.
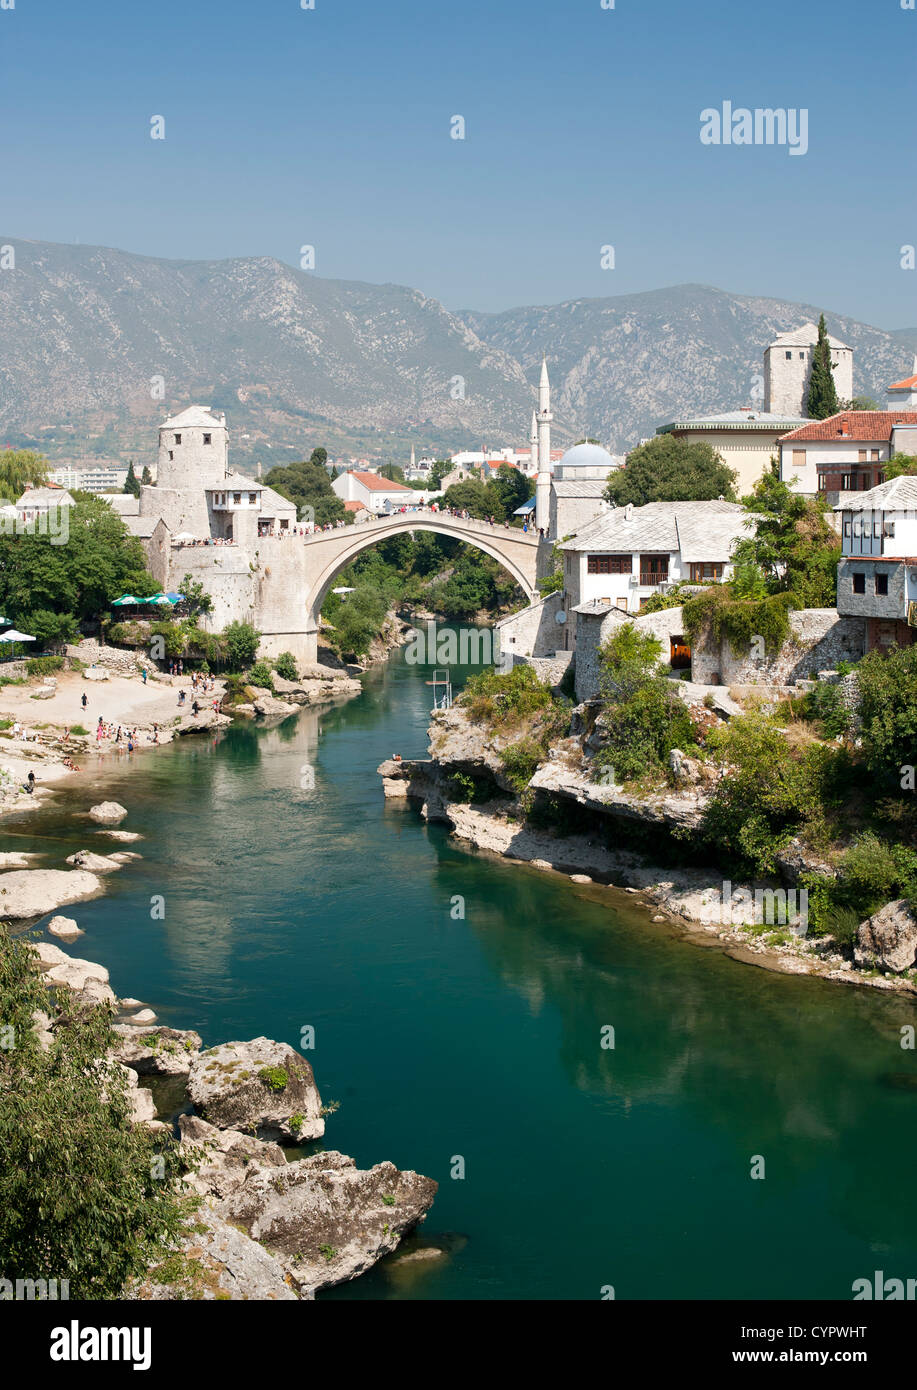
{"points": [[296, 360]]}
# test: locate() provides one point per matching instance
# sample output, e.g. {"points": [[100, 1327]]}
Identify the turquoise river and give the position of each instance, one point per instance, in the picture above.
{"points": [[481, 1037]]}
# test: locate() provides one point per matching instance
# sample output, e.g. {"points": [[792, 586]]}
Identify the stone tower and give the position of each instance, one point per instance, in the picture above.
{"points": [[543, 419], [788, 366], [193, 453]]}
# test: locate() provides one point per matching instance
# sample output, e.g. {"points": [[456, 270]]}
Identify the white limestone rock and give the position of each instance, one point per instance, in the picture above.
{"points": [[222, 1263], [158, 1051], [26, 893], [95, 863], [260, 1086], [228, 1157], [888, 939], [327, 1220], [108, 812], [124, 837], [64, 928]]}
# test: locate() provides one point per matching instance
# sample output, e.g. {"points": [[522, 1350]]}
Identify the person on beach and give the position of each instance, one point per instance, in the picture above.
{"points": [[143, 673], [130, 744], [84, 699], [29, 785], [181, 698]]}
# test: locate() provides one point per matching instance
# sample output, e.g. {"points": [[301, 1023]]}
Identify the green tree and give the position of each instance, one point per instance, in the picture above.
{"points": [[393, 472], [899, 464], [18, 467], [240, 641], [146, 477], [439, 470], [99, 561], [307, 484], [196, 600], [888, 711], [667, 469], [131, 483], [821, 400], [793, 547], [358, 620], [859, 403], [644, 717], [78, 1195]]}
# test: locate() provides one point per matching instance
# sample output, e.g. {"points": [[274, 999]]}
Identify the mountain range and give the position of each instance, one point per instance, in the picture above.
{"points": [[98, 345]]}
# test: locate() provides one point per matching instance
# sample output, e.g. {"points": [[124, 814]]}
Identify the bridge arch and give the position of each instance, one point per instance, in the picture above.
{"points": [[521, 566]]}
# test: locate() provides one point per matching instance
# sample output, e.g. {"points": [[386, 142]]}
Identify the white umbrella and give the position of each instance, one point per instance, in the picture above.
{"points": [[14, 636], [183, 536]]}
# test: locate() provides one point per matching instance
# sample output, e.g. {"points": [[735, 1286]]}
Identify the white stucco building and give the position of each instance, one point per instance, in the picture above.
{"points": [[877, 574], [624, 556], [375, 493]]}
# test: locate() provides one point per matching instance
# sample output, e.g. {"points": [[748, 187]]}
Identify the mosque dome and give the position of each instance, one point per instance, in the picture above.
{"points": [[586, 461]]}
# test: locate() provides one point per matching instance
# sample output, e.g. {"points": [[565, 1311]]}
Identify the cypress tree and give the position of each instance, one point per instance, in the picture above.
{"points": [[822, 398], [130, 483]]}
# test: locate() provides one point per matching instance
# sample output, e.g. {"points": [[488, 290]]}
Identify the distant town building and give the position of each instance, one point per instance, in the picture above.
{"points": [[377, 494], [95, 478], [788, 366]]}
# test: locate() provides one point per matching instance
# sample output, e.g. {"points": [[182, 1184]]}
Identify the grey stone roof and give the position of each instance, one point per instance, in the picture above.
{"points": [[124, 503], [895, 495], [273, 502], [698, 530], [736, 420], [56, 495], [582, 487]]}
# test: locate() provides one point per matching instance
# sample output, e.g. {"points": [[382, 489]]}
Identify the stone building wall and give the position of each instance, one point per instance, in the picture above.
{"points": [[819, 639]]}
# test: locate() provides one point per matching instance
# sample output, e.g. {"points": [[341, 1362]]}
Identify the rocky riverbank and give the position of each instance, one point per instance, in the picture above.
{"points": [[692, 900], [270, 1224]]}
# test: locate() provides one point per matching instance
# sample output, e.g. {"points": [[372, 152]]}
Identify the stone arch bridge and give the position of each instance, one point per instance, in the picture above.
{"points": [[280, 588]]}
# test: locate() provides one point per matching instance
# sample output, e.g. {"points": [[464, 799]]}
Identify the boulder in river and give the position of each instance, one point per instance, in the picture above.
{"points": [[64, 928], [228, 1157], [95, 863], [88, 980], [28, 893], [888, 939], [260, 1086], [327, 1220], [108, 812], [157, 1051]]}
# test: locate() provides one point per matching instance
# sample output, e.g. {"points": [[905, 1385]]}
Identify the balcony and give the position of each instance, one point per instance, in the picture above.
{"points": [[651, 579]]}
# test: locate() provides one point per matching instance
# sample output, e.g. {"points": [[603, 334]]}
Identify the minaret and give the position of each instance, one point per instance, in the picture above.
{"points": [[412, 456], [533, 443], [543, 480]]}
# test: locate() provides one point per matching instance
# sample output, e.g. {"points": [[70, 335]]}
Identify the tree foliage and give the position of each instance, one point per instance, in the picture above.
{"points": [[85, 1195], [643, 715], [41, 581], [18, 467], [307, 484], [821, 400], [667, 469]]}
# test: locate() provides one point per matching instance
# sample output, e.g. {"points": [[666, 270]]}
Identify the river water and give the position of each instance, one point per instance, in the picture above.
{"points": [[474, 1043]]}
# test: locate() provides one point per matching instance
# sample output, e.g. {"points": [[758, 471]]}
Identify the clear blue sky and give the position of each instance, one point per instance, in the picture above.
{"points": [[330, 127]]}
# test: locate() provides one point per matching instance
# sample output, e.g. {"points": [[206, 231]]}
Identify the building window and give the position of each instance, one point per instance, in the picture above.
{"points": [[654, 569], [252, 498], [799, 458], [859, 583], [890, 529], [882, 585], [171, 455], [847, 527], [237, 498], [801, 356], [178, 439], [706, 572], [609, 564], [861, 456], [206, 438], [789, 357]]}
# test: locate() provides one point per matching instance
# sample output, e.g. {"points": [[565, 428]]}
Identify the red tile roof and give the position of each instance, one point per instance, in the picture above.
{"points": [[869, 426], [377, 484], [355, 506], [908, 384]]}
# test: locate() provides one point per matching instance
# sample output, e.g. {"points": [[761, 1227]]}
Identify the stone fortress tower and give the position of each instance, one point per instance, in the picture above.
{"points": [[788, 365], [193, 462]]}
